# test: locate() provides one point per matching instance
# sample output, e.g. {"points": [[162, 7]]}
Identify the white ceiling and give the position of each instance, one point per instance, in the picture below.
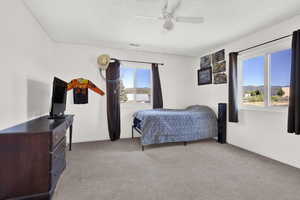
{"points": [[112, 23]]}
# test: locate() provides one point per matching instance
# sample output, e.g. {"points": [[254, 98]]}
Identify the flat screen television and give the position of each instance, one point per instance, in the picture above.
{"points": [[59, 99]]}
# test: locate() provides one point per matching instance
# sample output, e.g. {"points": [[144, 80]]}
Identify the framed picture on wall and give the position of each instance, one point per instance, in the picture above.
{"points": [[218, 56], [220, 78], [205, 76], [205, 62], [219, 67]]}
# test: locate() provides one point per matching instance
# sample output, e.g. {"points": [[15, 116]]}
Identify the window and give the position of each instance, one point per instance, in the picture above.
{"points": [[135, 85], [266, 79], [280, 68], [253, 82]]}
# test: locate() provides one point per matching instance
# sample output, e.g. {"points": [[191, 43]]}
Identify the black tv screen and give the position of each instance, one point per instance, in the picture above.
{"points": [[59, 98], [59, 95]]}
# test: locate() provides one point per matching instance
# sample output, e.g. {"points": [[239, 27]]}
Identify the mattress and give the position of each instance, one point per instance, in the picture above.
{"points": [[176, 125]]}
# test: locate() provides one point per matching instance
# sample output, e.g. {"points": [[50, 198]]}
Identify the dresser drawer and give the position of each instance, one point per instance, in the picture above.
{"points": [[58, 162], [58, 134]]}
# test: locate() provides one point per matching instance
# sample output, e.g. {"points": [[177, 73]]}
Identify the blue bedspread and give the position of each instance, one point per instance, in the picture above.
{"points": [[170, 125]]}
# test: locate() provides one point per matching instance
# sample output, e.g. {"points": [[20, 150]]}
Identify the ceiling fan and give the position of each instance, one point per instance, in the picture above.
{"points": [[169, 15]]}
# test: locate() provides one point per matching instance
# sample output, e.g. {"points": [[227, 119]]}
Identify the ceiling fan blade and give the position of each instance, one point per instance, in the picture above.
{"points": [[165, 6], [148, 17], [175, 7], [192, 20]]}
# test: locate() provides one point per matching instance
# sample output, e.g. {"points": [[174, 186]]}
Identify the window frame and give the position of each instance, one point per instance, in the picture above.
{"points": [[136, 66], [266, 52]]}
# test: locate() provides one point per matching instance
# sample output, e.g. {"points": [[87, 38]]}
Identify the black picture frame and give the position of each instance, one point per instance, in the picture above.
{"points": [[205, 76]]}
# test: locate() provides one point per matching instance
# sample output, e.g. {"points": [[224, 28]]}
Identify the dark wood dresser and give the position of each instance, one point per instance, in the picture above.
{"points": [[32, 158]]}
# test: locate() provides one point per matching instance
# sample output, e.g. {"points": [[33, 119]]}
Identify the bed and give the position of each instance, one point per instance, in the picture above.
{"points": [[159, 126]]}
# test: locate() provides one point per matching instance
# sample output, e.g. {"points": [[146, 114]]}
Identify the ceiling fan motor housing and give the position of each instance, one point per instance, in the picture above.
{"points": [[169, 25]]}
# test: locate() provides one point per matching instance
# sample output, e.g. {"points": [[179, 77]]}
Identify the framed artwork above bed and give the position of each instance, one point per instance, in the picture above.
{"points": [[205, 62], [205, 76]]}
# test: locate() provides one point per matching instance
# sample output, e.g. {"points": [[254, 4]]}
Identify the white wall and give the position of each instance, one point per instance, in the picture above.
{"points": [[25, 51], [75, 61], [261, 132]]}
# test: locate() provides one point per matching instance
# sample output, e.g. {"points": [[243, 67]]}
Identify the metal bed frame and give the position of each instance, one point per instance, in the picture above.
{"points": [[141, 133]]}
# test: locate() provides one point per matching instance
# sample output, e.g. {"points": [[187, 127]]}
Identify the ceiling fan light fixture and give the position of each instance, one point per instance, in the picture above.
{"points": [[168, 25]]}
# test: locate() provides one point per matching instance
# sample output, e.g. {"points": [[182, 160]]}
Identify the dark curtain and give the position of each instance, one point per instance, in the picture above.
{"points": [[294, 103], [113, 100], [157, 94], [233, 88]]}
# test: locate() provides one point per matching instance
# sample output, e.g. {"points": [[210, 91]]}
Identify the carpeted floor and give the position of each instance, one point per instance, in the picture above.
{"points": [[199, 171]]}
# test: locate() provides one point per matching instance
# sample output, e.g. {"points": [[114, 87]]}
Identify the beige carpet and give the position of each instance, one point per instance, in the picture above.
{"points": [[199, 171]]}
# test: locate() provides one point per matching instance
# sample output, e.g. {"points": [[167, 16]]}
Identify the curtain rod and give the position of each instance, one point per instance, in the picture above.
{"points": [[143, 62], [265, 43]]}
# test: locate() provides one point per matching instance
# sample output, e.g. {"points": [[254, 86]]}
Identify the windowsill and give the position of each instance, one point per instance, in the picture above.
{"points": [[265, 109], [136, 104]]}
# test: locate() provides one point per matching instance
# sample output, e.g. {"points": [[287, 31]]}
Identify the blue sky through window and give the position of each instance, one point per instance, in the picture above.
{"points": [[253, 71], [127, 76], [280, 66], [142, 77]]}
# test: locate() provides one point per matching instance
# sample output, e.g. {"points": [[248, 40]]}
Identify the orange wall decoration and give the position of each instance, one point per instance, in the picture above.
{"points": [[80, 87]]}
